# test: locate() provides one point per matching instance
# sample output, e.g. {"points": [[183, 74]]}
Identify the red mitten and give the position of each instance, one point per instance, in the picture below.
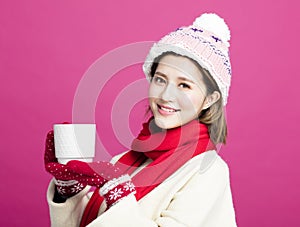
{"points": [[117, 189], [75, 175], [64, 179]]}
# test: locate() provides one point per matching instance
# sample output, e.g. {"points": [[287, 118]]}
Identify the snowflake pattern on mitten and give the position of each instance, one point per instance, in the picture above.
{"points": [[117, 189]]}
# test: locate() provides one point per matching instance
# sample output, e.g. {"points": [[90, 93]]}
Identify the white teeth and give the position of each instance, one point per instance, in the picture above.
{"points": [[168, 110]]}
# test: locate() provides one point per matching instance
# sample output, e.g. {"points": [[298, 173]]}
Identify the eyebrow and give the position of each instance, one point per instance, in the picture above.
{"points": [[180, 78]]}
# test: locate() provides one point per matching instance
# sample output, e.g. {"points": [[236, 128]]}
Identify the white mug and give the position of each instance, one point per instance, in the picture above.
{"points": [[74, 142]]}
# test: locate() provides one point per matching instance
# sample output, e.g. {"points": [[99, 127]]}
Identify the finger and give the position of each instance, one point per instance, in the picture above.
{"points": [[92, 181], [93, 169], [81, 168], [60, 171], [49, 155]]}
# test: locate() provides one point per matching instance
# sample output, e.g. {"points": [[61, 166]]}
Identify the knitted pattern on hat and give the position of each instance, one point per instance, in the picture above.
{"points": [[206, 41]]}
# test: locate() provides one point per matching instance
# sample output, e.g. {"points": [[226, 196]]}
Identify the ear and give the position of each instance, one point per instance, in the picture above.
{"points": [[211, 99]]}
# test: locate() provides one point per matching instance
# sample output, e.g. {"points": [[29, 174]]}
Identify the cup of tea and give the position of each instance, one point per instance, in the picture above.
{"points": [[74, 142]]}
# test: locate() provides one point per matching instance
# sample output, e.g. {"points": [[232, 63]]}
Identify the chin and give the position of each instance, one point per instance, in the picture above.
{"points": [[164, 124]]}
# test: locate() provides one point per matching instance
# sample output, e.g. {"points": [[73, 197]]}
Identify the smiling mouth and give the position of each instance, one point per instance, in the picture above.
{"points": [[167, 109]]}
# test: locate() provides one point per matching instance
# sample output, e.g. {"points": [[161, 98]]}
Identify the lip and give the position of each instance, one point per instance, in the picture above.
{"points": [[166, 110]]}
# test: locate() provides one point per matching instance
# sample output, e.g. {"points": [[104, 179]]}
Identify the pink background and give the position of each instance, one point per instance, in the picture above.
{"points": [[46, 46]]}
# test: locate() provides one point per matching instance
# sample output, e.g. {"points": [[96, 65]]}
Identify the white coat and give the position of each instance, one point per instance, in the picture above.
{"points": [[197, 195]]}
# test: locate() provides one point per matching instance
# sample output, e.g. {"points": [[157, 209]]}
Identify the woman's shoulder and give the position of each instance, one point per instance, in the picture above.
{"points": [[210, 163]]}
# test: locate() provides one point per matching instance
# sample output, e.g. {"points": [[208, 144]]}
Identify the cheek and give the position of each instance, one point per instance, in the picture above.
{"points": [[151, 95], [151, 101], [150, 92], [153, 91], [194, 101]]}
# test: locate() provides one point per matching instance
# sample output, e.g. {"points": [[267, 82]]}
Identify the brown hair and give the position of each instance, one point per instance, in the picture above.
{"points": [[214, 116]]}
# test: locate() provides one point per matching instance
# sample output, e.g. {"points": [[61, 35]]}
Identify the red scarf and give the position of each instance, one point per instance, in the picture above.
{"points": [[169, 150]]}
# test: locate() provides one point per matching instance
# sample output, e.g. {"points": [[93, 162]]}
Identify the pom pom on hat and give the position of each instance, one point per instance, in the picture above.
{"points": [[215, 24]]}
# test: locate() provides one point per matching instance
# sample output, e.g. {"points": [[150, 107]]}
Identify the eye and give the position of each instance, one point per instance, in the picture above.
{"points": [[184, 86], [159, 80]]}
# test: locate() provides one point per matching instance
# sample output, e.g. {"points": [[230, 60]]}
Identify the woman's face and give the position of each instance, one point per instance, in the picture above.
{"points": [[177, 92]]}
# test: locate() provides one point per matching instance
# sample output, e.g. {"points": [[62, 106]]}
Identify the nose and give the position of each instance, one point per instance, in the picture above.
{"points": [[168, 94]]}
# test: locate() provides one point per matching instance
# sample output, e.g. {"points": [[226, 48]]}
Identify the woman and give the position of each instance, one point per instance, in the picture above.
{"points": [[173, 175]]}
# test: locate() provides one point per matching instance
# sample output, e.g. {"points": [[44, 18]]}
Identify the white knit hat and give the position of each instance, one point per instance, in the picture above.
{"points": [[206, 41]]}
